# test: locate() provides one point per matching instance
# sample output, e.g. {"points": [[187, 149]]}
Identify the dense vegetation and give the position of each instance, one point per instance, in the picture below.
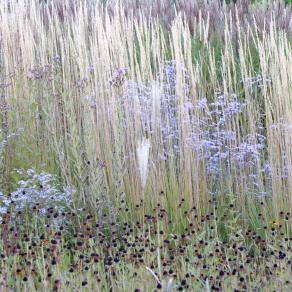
{"points": [[145, 145]]}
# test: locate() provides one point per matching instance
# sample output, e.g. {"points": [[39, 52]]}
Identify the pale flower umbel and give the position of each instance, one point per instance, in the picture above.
{"points": [[143, 148]]}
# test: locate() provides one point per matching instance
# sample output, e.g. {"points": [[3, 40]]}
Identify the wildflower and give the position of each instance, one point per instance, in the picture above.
{"points": [[91, 99], [119, 76], [158, 286], [57, 58], [275, 222]]}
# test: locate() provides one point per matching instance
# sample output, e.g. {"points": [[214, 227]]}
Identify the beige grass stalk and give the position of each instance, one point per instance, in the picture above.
{"points": [[74, 132]]}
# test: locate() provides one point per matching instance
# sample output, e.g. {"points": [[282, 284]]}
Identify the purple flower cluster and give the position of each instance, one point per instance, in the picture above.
{"points": [[214, 134], [256, 81]]}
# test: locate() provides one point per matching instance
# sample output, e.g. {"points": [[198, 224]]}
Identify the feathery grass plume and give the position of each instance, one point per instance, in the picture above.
{"points": [[143, 148]]}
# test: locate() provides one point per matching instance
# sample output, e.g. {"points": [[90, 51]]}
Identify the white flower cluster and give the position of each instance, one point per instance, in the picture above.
{"points": [[36, 188]]}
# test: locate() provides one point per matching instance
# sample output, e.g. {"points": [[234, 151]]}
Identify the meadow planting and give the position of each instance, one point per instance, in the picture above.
{"points": [[145, 145]]}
